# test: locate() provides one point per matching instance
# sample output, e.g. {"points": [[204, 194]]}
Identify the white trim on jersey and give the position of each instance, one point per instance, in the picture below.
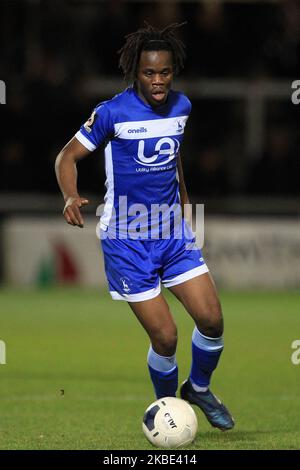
{"points": [[146, 295], [85, 142], [109, 183], [186, 276], [135, 130]]}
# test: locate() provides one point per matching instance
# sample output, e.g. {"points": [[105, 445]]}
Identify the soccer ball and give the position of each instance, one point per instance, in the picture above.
{"points": [[170, 422]]}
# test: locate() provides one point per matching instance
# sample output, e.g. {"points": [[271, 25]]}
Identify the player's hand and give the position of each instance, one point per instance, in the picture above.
{"points": [[72, 212]]}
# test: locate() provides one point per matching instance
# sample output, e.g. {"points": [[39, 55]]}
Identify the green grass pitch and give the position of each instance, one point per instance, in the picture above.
{"points": [[76, 378]]}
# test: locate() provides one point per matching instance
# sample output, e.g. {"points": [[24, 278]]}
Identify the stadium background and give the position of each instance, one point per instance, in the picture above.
{"points": [[241, 160]]}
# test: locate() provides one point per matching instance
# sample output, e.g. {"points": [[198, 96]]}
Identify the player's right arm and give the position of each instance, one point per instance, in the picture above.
{"points": [[96, 130], [66, 174]]}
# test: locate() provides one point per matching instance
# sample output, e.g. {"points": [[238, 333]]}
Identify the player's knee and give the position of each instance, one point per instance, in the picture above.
{"points": [[211, 323], [212, 330], [164, 341]]}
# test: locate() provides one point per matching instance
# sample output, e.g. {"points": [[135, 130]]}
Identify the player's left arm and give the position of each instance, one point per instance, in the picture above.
{"points": [[184, 198]]}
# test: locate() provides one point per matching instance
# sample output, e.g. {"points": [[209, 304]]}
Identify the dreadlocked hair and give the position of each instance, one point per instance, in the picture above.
{"points": [[150, 38]]}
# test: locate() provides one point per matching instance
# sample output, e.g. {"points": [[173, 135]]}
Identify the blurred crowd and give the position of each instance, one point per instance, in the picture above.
{"points": [[50, 50]]}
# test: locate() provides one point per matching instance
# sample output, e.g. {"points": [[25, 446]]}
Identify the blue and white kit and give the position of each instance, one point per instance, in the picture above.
{"points": [[141, 149]]}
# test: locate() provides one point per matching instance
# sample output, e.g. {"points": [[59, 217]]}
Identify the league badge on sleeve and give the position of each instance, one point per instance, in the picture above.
{"points": [[90, 122]]}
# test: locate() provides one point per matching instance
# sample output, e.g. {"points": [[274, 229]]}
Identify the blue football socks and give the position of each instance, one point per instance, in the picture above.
{"points": [[164, 374], [206, 353]]}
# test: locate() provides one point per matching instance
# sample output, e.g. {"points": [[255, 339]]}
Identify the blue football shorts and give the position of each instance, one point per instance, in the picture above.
{"points": [[136, 268]]}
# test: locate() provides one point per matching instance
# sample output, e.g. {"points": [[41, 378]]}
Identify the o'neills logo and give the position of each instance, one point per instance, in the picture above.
{"points": [[137, 131]]}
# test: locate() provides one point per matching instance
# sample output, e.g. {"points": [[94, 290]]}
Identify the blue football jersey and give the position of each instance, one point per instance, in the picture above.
{"points": [[141, 149]]}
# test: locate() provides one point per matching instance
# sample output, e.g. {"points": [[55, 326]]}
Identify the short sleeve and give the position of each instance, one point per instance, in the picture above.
{"points": [[97, 129], [189, 106]]}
